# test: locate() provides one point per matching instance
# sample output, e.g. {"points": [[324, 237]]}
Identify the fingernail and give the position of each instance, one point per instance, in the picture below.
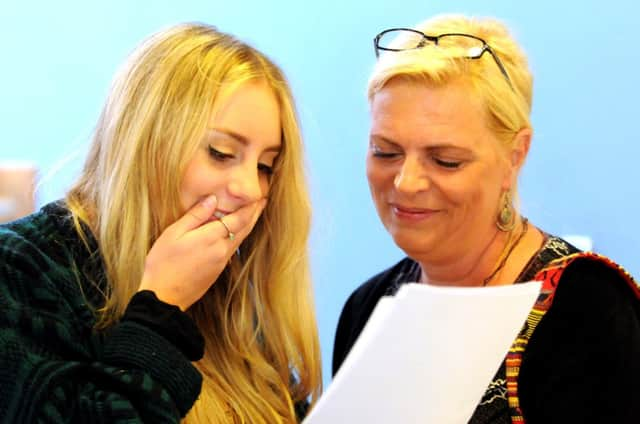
{"points": [[210, 201]]}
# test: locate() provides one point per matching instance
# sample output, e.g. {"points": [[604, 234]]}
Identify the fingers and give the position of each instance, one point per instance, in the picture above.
{"points": [[188, 257], [250, 220], [197, 215], [262, 203], [239, 223]]}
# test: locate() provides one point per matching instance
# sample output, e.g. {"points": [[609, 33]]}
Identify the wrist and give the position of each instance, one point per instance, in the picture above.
{"points": [[168, 320]]}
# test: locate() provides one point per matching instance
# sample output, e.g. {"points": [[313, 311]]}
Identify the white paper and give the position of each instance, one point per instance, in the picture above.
{"points": [[426, 355]]}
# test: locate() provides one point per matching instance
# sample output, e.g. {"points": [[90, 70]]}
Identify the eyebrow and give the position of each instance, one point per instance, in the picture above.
{"points": [[240, 138], [444, 145], [374, 137]]}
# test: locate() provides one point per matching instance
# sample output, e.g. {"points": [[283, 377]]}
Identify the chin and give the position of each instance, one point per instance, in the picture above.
{"points": [[410, 244]]}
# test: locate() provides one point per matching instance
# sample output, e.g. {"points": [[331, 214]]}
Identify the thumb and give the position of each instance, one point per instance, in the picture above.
{"points": [[198, 214]]}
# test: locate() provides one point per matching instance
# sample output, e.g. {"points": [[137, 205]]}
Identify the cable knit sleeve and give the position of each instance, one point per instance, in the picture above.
{"points": [[55, 368]]}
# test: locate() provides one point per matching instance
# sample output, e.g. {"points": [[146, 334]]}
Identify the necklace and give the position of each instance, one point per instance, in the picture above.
{"points": [[523, 231]]}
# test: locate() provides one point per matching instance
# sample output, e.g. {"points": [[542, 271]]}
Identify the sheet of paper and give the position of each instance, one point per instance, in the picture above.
{"points": [[426, 355]]}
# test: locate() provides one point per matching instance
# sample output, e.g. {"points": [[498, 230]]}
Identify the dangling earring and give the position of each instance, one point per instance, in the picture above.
{"points": [[506, 217]]}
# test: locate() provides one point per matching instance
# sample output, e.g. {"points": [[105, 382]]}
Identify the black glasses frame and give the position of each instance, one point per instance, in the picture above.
{"points": [[434, 39]]}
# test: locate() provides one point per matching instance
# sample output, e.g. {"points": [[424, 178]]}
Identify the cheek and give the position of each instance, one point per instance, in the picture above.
{"points": [[199, 181], [188, 192], [378, 176], [461, 194], [380, 189], [265, 185], [457, 189], [472, 194]]}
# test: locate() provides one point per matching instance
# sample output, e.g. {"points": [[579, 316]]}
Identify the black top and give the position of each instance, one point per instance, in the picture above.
{"points": [[582, 363]]}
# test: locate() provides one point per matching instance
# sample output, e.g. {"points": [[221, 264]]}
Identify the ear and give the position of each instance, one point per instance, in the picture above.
{"points": [[517, 156]]}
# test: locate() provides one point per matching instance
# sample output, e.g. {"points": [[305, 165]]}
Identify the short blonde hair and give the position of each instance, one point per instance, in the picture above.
{"points": [[508, 106], [262, 350]]}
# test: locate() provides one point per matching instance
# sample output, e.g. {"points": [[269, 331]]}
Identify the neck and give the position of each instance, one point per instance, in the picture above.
{"points": [[476, 268]]}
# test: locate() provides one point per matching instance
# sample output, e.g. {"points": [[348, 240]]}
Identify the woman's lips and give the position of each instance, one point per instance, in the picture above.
{"points": [[412, 213]]}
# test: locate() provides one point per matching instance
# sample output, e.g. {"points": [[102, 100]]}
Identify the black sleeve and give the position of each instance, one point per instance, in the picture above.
{"points": [[582, 364], [346, 333], [167, 320]]}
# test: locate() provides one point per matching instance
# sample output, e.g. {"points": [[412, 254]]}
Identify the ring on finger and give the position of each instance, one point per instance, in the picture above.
{"points": [[230, 235]]}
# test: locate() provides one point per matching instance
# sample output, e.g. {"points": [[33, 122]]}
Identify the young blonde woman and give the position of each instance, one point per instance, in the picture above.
{"points": [[172, 282]]}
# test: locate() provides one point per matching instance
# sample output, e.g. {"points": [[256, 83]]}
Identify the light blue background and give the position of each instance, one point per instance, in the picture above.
{"points": [[582, 175]]}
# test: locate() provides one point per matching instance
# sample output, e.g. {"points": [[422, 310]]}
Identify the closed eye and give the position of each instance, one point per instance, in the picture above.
{"points": [[448, 164], [379, 153], [218, 155], [265, 169], [384, 155]]}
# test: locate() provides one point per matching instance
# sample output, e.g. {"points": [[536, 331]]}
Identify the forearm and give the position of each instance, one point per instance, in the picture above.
{"points": [[131, 373]]}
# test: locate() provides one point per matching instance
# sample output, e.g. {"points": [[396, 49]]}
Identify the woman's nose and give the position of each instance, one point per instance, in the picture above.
{"points": [[412, 176], [246, 184]]}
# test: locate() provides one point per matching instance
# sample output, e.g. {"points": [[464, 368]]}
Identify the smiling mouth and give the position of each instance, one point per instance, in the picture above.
{"points": [[406, 209], [404, 212]]}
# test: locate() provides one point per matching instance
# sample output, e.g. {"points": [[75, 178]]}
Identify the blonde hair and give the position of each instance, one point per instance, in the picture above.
{"points": [[508, 106], [261, 342]]}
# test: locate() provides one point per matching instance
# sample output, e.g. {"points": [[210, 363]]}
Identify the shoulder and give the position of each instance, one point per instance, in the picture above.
{"points": [[587, 289], [593, 303], [47, 233], [40, 256], [369, 292], [595, 281], [51, 222], [588, 339], [360, 305]]}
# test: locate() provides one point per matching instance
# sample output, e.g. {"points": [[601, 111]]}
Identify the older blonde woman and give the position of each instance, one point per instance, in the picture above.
{"points": [[450, 103], [166, 284]]}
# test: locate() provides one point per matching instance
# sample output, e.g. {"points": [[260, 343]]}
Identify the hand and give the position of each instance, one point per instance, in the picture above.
{"points": [[191, 253]]}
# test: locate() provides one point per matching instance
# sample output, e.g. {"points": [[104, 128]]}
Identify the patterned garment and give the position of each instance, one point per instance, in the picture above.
{"points": [[493, 407], [580, 365], [53, 366]]}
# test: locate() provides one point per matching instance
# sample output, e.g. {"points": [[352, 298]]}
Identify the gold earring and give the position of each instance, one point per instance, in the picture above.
{"points": [[506, 217]]}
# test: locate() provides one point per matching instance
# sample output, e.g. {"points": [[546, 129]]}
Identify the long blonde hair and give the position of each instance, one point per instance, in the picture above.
{"points": [[261, 342]]}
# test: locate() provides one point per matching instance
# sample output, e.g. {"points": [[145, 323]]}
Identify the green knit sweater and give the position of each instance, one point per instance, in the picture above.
{"points": [[54, 367]]}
